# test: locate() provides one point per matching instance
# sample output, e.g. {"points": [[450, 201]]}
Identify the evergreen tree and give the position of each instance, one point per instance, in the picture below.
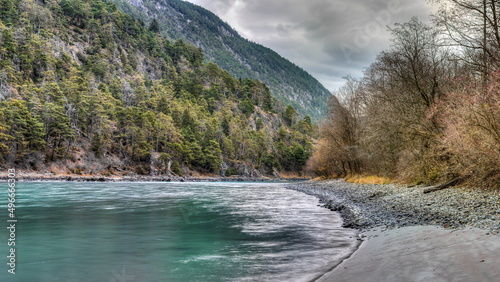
{"points": [[290, 115], [9, 11], [154, 26]]}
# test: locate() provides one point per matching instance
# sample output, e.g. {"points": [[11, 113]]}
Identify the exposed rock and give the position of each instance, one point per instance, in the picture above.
{"points": [[245, 169]]}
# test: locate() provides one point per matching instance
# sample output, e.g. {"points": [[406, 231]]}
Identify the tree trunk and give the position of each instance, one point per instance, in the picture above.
{"points": [[448, 184]]}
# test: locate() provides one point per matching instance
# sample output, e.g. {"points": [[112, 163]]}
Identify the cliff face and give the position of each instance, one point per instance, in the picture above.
{"points": [[240, 57]]}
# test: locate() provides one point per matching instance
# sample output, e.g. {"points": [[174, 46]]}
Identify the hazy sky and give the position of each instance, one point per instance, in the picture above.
{"points": [[330, 39]]}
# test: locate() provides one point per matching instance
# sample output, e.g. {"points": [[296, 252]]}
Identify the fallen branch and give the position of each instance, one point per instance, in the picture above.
{"points": [[448, 184]]}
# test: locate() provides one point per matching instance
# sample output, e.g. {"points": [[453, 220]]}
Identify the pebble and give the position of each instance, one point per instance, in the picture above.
{"points": [[365, 206]]}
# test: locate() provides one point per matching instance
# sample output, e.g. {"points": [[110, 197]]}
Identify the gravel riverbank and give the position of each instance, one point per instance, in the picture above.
{"points": [[365, 206]]}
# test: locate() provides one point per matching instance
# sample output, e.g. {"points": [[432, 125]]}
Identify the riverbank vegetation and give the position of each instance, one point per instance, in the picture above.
{"points": [[87, 89], [428, 109]]}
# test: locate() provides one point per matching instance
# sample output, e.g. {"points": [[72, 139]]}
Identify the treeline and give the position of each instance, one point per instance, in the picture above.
{"points": [[88, 89], [428, 109]]}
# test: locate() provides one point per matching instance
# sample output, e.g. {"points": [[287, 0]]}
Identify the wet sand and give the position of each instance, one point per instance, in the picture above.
{"points": [[422, 253]]}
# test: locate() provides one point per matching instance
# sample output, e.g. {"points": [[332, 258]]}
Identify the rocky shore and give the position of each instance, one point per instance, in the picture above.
{"points": [[365, 206]]}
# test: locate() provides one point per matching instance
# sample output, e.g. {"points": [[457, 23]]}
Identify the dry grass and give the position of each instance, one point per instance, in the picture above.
{"points": [[368, 179], [288, 174]]}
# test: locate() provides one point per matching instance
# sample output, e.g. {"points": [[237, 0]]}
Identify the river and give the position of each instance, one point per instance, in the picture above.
{"points": [[74, 231]]}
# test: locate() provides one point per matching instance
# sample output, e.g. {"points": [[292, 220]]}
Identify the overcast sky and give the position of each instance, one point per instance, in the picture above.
{"points": [[330, 39]]}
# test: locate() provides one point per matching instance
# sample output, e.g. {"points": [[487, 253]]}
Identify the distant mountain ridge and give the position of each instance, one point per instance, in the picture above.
{"points": [[242, 58]]}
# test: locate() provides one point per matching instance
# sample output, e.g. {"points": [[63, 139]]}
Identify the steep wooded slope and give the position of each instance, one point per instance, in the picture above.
{"points": [[240, 57], [88, 89]]}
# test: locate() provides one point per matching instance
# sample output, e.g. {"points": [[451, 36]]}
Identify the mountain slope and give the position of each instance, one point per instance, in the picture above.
{"points": [[85, 88], [241, 58]]}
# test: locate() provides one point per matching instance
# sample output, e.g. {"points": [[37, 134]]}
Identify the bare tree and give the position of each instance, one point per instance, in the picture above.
{"points": [[338, 152], [404, 83], [474, 26]]}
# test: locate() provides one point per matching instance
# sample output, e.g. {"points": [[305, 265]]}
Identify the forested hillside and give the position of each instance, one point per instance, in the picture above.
{"points": [[85, 88], [241, 58], [423, 112]]}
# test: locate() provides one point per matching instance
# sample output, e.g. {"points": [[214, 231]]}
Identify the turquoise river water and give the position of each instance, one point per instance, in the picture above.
{"points": [[71, 231]]}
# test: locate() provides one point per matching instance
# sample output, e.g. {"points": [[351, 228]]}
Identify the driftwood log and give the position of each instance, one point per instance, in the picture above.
{"points": [[451, 183]]}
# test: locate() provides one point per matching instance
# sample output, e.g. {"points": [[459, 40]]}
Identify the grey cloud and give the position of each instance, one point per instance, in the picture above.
{"points": [[284, 30], [328, 38]]}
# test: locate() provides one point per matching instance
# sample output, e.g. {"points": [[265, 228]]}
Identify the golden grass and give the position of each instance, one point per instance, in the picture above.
{"points": [[368, 179], [288, 174]]}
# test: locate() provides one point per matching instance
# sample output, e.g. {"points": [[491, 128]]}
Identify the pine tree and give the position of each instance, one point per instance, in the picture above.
{"points": [[154, 26]]}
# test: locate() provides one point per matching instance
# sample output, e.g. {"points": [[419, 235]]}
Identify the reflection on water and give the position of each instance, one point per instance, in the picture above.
{"points": [[172, 232]]}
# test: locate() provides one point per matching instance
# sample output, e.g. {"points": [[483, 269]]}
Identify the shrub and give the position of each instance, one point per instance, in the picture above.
{"points": [[232, 171], [176, 168], [470, 116]]}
